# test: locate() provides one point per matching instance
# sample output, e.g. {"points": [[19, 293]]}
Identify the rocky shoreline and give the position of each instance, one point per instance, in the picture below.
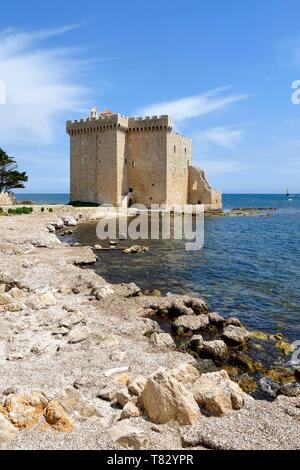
{"points": [[84, 364]]}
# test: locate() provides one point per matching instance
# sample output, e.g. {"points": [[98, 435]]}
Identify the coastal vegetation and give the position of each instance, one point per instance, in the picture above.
{"points": [[16, 211], [10, 177]]}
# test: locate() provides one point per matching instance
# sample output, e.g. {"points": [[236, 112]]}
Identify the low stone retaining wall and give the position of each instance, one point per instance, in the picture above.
{"points": [[7, 199]]}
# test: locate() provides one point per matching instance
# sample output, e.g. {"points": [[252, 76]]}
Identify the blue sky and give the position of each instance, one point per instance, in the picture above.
{"points": [[224, 69]]}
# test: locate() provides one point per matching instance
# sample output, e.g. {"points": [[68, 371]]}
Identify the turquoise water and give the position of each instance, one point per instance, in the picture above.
{"points": [[249, 266]]}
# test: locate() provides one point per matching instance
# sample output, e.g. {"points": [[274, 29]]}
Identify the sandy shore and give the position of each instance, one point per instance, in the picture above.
{"points": [[65, 328]]}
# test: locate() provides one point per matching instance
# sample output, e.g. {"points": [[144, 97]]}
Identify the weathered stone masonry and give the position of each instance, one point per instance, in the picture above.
{"points": [[123, 160]]}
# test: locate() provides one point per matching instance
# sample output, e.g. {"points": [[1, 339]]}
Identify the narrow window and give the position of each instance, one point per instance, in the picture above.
{"points": [[131, 190], [174, 148], [185, 151], [133, 164], [125, 161]]}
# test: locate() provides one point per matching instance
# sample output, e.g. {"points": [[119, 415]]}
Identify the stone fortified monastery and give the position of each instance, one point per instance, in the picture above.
{"points": [[123, 160]]}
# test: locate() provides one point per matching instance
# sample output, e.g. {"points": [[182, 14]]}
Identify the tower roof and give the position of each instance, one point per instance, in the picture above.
{"points": [[107, 112]]}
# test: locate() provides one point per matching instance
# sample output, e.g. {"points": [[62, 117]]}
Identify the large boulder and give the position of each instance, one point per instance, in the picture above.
{"points": [[235, 335], [165, 399], [218, 394]]}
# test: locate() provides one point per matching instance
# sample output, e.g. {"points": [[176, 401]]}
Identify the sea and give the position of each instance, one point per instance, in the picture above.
{"points": [[249, 266]]}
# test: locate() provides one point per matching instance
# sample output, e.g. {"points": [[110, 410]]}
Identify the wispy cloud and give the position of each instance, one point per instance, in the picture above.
{"points": [[194, 106], [221, 136], [40, 86]]}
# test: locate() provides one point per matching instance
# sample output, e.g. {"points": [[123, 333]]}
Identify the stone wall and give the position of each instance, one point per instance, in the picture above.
{"points": [[147, 166], [7, 199], [179, 156], [199, 190]]}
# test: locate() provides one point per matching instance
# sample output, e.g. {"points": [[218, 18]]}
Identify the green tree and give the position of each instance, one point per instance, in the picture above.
{"points": [[10, 177]]}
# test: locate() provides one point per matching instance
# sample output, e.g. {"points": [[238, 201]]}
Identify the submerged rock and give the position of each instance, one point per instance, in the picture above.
{"points": [[247, 362], [247, 383], [135, 249], [282, 375], [285, 347]]}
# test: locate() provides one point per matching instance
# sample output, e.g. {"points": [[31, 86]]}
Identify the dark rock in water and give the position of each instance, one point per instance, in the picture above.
{"points": [[247, 383], [216, 350], [215, 318], [269, 386], [245, 361], [197, 305], [282, 375], [290, 390], [233, 321], [235, 335]]}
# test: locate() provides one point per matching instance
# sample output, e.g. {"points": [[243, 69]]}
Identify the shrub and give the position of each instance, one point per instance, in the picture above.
{"points": [[20, 210], [42, 209], [50, 209]]}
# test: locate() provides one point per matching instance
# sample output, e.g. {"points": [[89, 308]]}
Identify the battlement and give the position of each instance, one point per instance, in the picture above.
{"points": [[107, 120], [150, 123], [97, 123]]}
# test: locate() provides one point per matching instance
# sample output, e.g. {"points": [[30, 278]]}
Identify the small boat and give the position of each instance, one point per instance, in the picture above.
{"points": [[287, 193]]}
